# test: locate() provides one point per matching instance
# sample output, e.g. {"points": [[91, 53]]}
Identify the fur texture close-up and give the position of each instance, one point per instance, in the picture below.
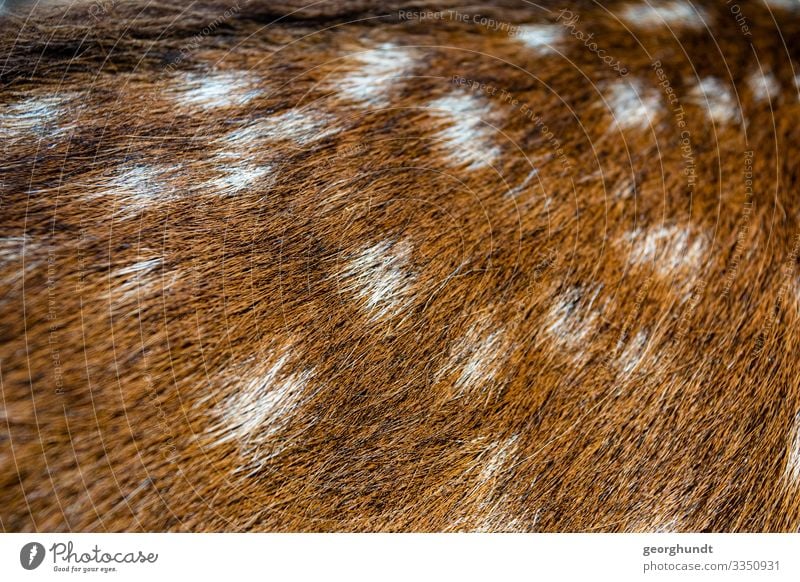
{"points": [[400, 266]]}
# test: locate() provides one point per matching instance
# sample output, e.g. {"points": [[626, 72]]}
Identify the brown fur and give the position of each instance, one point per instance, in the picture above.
{"points": [[533, 367]]}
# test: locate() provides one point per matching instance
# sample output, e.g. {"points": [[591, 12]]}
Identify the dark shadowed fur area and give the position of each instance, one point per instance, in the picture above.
{"points": [[391, 266]]}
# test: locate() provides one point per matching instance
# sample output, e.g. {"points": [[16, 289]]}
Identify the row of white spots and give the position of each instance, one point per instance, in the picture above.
{"points": [[634, 105], [235, 164], [375, 73], [146, 183], [262, 404], [466, 135], [379, 277], [667, 247], [672, 14], [143, 185]]}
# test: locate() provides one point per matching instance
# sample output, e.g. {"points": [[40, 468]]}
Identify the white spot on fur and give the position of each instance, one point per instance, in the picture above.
{"points": [[564, 323], [542, 38], [625, 188], [793, 458], [11, 248], [246, 138], [718, 100], [141, 181], [525, 183], [476, 357], [492, 514], [262, 403], [34, 115], [14, 251], [783, 4], [655, 522], [300, 126], [496, 521], [467, 137], [237, 169], [239, 177], [377, 71], [669, 247], [632, 354], [216, 89], [501, 452], [128, 284], [632, 105], [673, 14], [764, 87], [135, 186], [140, 267], [379, 278], [482, 363]]}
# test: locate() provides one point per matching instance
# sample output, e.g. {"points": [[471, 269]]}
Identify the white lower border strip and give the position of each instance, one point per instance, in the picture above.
{"points": [[406, 557]]}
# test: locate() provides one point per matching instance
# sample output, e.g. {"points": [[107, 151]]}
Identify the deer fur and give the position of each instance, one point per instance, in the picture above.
{"points": [[383, 266]]}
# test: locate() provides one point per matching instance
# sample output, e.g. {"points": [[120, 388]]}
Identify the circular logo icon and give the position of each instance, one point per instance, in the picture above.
{"points": [[31, 555]]}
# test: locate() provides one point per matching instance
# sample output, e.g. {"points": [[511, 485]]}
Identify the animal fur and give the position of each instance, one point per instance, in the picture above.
{"points": [[275, 267]]}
